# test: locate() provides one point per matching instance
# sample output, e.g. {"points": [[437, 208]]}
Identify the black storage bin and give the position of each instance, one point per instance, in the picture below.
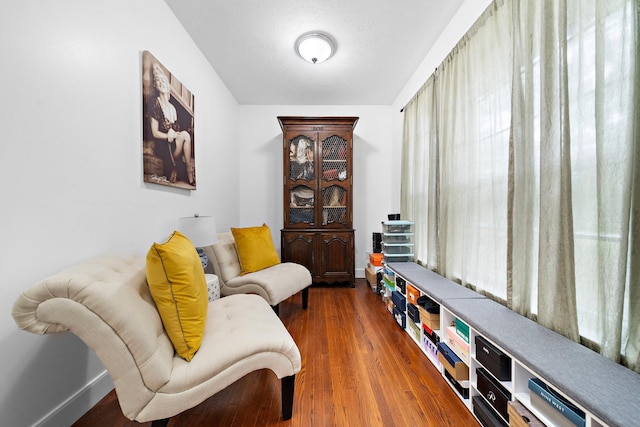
{"points": [[399, 301], [379, 284], [464, 392], [493, 392], [377, 243], [486, 415], [401, 284], [428, 304], [413, 313], [493, 359]]}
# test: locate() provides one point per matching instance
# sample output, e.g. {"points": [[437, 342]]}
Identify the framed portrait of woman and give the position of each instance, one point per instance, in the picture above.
{"points": [[168, 123]]}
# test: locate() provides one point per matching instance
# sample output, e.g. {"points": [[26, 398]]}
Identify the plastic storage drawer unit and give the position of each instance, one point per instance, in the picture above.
{"points": [[394, 227], [396, 249], [398, 238]]}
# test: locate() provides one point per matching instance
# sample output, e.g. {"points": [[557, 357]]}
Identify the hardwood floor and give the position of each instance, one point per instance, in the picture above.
{"points": [[358, 369]]}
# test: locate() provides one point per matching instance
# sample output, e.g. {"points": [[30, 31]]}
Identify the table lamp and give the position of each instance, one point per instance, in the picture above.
{"points": [[201, 230]]}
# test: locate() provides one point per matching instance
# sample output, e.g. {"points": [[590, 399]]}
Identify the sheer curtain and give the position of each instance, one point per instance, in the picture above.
{"points": [[419, 181], [521, 158], [463, 111], [573, 94], [543, 25]]}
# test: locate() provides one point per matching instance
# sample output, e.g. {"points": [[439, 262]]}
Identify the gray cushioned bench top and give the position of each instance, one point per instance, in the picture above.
{"points": [[606, 389], [439, 288]]}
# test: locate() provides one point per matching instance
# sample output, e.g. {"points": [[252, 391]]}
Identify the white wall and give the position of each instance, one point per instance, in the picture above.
{"points": [[375, 174], [71, 174]]}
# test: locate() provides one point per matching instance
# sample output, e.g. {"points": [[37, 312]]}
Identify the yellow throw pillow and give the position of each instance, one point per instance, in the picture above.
{"points": [[255, 248], [179, 289]]}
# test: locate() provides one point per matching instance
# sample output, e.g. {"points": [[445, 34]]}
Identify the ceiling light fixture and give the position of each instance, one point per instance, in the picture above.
{"points": [[315, 47]]}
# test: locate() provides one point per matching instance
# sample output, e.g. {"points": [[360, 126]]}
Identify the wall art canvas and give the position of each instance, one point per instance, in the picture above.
{"points": [[168, 123]]}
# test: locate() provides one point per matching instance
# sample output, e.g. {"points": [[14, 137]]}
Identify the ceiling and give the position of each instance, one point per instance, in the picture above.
{"points": [[250, 44]]}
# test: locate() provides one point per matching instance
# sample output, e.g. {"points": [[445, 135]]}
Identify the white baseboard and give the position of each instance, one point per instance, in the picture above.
{"points": [[70, 411]]}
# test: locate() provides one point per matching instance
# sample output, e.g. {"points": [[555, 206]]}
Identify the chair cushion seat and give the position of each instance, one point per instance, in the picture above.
{"points": [[274, 284], [238, 328]]}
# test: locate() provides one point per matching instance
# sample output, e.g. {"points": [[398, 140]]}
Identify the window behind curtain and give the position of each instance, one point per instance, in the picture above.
{"points": [[471, 97]]}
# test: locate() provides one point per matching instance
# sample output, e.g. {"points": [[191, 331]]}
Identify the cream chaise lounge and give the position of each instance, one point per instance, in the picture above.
{"points": [[107, 303], [275, 283]]}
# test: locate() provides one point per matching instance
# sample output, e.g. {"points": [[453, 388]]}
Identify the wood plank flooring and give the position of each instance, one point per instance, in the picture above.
{"points": [[358, 369]]}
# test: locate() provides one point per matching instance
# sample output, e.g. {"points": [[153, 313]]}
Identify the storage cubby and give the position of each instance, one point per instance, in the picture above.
{"points": [[505, 350]]}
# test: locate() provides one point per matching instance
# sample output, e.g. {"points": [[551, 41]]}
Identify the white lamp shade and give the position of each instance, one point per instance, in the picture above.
{"points": [[201, 230], [315, 47]]}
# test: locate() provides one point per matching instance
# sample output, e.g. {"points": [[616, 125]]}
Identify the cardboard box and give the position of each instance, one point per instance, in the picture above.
{"points": [[519, 416], [429, 319], [371, 276], [452, 363], [457, 344]]}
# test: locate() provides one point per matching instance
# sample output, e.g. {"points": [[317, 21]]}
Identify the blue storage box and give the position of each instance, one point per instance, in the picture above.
{"points": [[544, 398], [399, 301], [401, 318]]}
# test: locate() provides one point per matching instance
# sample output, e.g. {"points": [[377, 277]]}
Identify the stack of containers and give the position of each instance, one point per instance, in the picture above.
{"points": [[397, 241]]}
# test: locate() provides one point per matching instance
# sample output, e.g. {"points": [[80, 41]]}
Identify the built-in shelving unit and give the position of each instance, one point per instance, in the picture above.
{"points": [[490, 354]]}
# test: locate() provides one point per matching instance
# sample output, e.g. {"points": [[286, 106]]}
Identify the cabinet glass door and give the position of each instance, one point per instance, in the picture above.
{"points": [[335, 181], [301, 180]]}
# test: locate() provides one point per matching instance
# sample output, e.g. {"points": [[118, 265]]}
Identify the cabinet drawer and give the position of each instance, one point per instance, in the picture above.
{"points": [[493, 359], [493, 392], [397, 258], [485, 414], [398, 238], [400, 226], [396, 249]]}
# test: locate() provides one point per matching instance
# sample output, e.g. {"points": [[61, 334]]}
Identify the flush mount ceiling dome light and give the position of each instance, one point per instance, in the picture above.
{"points": [[315, 47]]}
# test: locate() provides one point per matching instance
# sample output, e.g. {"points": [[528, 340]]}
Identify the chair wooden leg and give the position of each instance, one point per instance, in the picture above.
{"points": [[287, 389], [305, 298], [160, 423]]}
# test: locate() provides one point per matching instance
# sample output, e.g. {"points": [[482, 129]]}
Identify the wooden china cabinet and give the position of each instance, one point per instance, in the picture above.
{"points": [[318, 189]]}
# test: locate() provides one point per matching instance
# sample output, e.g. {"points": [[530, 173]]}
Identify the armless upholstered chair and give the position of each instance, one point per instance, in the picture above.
{"points": [[275, 283], [107, 303]]}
